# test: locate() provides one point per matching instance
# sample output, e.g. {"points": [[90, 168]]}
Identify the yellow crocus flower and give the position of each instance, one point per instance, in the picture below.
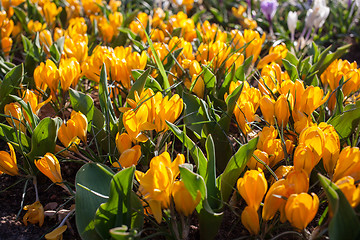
{"points": [[14, 110], [348, 164], [74, 130], [250, 219], [50, 167], [69, 70], [184, 202], [350, 190], [300, 209], [252, 187], [8, 163]]}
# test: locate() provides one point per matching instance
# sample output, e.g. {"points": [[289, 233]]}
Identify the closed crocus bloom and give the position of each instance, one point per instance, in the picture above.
{"points": [[50, 166], [252, 187], [81, 124], [250, 219], [254, 164], [304, 159], [267, 106], [236, 58], [50, 75], [332, 147], [297, 181], [123, 142], [56, 234], [273, 147], [291, 22], [273, 200], [311, 99], [8, 162], [34, 214], [16, 117], [281, 172], [50, 11], [300, 209], [184, 202], [45, 40], [314, 138], [129, 157], [6, 44], [282, 111], [69, 70], [67, 135], [349, 189], [266, 134], [348, 164]]}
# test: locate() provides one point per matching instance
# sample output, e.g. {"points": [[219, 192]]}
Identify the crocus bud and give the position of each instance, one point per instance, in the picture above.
{"points": [[123, 142], [34, 214], [314, 138], [184, 202], [291, 22], [267, 106], [348, 164], [254, 164], [250, 219], [304, 159], [349, 189], [8, 162], [252, 187], [282, 111], [129, 157], [300, 209], [274, 199], [49, 166]]}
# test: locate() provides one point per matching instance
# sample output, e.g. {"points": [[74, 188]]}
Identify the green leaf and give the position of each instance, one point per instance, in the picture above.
{"points": [[82, 103], [12, 80], [92, 189], [104, 98], [226, 84], [138, 84], [16, 137], [209, 79], [44, 137], [345, 123], [292, 58], [118, 210], [193, 183], [344, 224], [159, 63], [291, 69], [234, 168], [210, 177], [195, 151], [195, 117]]}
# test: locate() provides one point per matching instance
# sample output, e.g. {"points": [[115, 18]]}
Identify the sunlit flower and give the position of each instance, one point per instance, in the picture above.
{"points": [[348, 164], [184, 202], [50, 167], [8, 162], [252, 187], [250, 219], [16, 117], [350, 190], [300, 209]]}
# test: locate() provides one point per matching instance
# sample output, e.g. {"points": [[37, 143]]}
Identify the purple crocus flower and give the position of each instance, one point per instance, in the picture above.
{"points": [[268, 8]]}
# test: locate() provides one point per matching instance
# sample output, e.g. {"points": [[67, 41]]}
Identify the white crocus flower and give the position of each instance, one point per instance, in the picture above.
{"points": [[291, 22]]}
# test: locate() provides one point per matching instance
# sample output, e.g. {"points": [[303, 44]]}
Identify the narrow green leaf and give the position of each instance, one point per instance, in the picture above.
{"points": [[234, 168]]}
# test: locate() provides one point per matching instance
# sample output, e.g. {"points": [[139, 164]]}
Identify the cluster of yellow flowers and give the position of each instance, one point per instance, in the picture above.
{"points": [[273, 106]]}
